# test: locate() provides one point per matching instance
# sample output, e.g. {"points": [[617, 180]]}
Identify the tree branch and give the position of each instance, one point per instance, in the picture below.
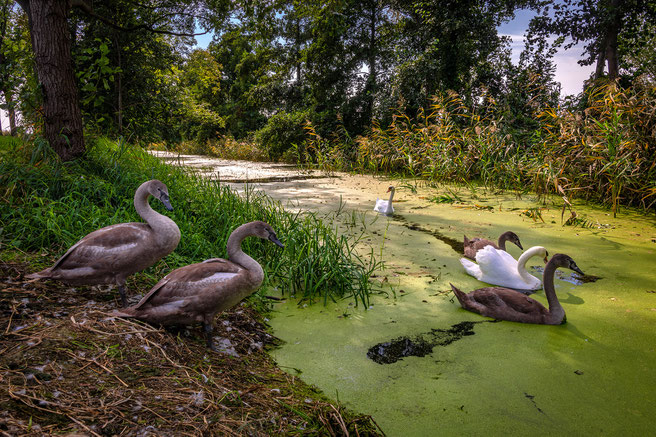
{"points": [[87, 9]]}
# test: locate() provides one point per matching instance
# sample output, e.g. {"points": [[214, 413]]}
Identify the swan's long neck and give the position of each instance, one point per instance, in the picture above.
{"points": [[521, 263], [389, 202], [236, 255], [165, 228], [555, 308], [502, 241]]}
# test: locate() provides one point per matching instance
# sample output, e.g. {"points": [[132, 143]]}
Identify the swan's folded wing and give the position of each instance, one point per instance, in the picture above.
{"points": [[381, 205], [489, 257], [471, 268], [191, 280], [103, 245], [521, 303], [497, 266]]}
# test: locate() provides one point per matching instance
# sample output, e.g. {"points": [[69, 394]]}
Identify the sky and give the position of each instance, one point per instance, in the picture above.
{"points": [[570, 74]]}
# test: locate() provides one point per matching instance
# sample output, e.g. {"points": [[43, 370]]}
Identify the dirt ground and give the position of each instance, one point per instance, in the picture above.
{"points": [[67, 366]]}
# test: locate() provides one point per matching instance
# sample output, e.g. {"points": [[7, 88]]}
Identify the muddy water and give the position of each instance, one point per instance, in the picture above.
{"points": [[442, 375]]}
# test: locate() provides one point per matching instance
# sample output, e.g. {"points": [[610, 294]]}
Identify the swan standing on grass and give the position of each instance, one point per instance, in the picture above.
{"points": [[498, 267], [197, 292], [475, 244], [385, 206], [111, 254], [505, 304]]}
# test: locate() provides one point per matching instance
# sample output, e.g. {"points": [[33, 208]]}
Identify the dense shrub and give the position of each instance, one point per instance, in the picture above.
{"points": [[282, 130]]}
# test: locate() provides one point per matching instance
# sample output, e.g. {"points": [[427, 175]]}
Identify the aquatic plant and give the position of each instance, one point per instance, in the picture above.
{"points": [[51, 205]]}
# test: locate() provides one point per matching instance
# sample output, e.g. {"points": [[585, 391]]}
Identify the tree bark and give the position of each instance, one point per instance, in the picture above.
{"points": [[52, 53], [11, 112], [372, 79], [611, 47]]}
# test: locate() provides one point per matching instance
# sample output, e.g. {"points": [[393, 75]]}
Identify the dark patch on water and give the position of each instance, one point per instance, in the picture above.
{"points": [[456, 245], [419, 345], [572, 278], [271, 179], [532, 399]]}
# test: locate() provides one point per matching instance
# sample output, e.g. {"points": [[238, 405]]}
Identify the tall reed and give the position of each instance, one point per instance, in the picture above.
{"points": [[606, 152]]}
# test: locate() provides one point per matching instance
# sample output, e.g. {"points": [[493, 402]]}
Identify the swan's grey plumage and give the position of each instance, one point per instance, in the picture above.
{"points": [[385, 206], [110, 254], [197, 292], [475, 244], [506, 304]]}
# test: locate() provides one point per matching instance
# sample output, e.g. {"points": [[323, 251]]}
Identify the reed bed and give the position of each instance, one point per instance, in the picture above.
{"points": [[605, 152], [48, 206]]}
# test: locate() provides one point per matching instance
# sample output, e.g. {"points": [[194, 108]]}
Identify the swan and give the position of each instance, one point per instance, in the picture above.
{"points": [[385, 206], [110, 254], [498, 267], [197, 292], [506, 304], [475, 244]]}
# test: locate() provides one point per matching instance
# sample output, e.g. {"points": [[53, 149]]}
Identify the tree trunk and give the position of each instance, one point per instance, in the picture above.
{"points": [[601, 60], [52, 54], [11, 112], [611, 47], [119, 86], [372, 80]]}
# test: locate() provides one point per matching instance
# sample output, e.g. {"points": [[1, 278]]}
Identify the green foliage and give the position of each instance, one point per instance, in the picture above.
{"points": [[48, 206], [606, 153], [281, 132], [95, 80]]}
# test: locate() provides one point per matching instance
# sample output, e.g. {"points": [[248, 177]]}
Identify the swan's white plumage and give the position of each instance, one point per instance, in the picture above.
{"points": [[498, 267], [385, 206]]}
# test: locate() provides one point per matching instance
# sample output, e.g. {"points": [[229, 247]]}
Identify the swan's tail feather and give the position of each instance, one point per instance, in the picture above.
{"points": [[471, 267], [462, 297], [39, 275], [125, 312]]}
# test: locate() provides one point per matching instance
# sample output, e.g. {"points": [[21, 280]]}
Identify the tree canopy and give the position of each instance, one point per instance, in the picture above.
{"points": [[342, 65]]}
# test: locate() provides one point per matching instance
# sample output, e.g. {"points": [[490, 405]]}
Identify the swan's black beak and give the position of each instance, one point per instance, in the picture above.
{"points": [[165, 200], [576, 269], [519, 245], [274, 239]]}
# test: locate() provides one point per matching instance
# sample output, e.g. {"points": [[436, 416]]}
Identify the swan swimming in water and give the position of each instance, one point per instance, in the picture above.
{"points": [[385, 206], [505, 304], [498, 267], [475, 244]]}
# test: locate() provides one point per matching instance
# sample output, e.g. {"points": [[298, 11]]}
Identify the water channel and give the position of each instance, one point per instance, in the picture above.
{"points": [[464, 374]]}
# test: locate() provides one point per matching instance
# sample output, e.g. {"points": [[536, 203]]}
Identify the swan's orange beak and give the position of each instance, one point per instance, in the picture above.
{"points": [[546, 258], [389, 189]]}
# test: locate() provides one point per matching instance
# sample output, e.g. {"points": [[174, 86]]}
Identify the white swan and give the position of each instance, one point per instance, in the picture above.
{"points": [[498, 267], [385, 206]]}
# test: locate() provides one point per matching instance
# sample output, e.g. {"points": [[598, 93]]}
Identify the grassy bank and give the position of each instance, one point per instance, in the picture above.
{"points": [[68, 366], [48, 206]]}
